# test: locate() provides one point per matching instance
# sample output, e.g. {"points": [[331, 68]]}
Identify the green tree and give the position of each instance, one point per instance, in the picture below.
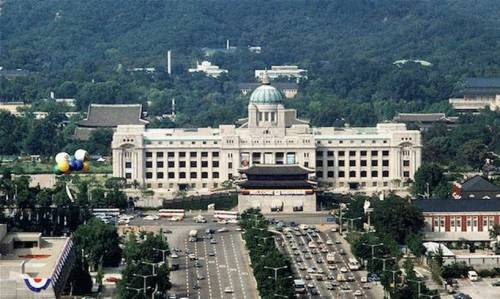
{"points": [[473, 153], [427, 177], [415, 244], [100, 142]]}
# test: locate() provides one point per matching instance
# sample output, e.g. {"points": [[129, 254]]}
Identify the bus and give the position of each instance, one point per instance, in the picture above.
{"points": [[106, 211], [299, 285], [173, 214], [226, 215], [353, 264]]}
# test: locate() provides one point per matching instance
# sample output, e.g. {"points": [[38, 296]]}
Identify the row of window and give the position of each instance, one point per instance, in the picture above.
{"points": [[350, 141], [351, 153], [181, 175], [181, 164], [456, 223], [182, 142], [181, 154], [192, 185], [353, 174], [341, 163]]}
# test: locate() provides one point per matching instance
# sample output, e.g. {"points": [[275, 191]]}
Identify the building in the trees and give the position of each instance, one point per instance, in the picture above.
{"points": [[277, 188], [477, 94], [370, 160], [209, 69], [288, 89], [283, 71], [476, 187], [453, 220], [104, 116], [425, 120], [32, 266]]}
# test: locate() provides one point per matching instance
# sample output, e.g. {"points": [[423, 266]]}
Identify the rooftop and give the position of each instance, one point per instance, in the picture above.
{"points": [[457, 205], [421, 117], [261, 169], [278, 85], [104, 115], [482, 82], [277, 184], [478, 183]]}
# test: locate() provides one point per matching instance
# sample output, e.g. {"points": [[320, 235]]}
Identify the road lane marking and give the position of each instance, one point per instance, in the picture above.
{"points": [[227, 262], [235, 255]]}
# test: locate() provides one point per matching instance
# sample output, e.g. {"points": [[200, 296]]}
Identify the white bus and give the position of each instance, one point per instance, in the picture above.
{"points": [[226, 215], [353, 264], [173, 214]]}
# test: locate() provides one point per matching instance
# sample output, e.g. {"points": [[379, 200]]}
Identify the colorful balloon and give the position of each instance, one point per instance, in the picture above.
{"points": [[73, 165], [79, 165], [86, 166], [62, 156], [81, 155], [56, 169], [63, 166]]}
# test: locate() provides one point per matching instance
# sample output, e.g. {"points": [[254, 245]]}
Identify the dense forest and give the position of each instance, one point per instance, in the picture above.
{"points": [[83, 49]]}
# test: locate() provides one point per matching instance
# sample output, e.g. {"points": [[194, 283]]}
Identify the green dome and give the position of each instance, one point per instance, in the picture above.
{"points": [[266, 94]]}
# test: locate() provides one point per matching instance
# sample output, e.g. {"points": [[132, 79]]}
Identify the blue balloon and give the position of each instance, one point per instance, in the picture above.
{"points": [[79, 165], [73, 165]]}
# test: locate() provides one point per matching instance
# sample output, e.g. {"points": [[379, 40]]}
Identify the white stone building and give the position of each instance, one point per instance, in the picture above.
{"points": [[284, 71], [208, 68], [369, 160]]}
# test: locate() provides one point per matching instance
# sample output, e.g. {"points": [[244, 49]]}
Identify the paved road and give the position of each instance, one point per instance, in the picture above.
{"points": [[295, 245]]}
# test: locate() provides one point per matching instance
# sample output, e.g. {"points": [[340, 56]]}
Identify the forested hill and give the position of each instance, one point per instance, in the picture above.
{"points": [[458, 35]]}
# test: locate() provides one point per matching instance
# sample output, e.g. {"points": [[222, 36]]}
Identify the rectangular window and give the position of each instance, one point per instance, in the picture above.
{"points": [[149, 154], [406, 174], [330, 153], [363, 162], [374, 153], [128, 164], [306, 164], [385, 174], [149, 175], [170, 154], [341, 174], [385, 153], [374, 174], [363, 174], [319, 174], [215, 154], [171, 175], [352, 174], [363, 153], [159, 175], [192, 175], [182, 154], [341, 163], [192, 164], [215, 175], [149, 164], [385, 162], [215, 163], [204, 175], [182, 175], [319, 154], [159, 154], [352, 153], [193, 154], [182, 164], [319, 163], [204, 163], [128, 175], [352, 163], [406, 163], [204, 154], [330, 163], [374, 162], [171, 164], [330, 174], [341, 153], [159, 164], [230, 165]]}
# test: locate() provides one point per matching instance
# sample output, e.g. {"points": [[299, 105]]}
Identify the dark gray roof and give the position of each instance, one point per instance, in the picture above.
{"points": [[100, 115], [275, 170], [478, 183], [458, 205], [278, 85], [270, 184], [482, 82], [420, 117]]}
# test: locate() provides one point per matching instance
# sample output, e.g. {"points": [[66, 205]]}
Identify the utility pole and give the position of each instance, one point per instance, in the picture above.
{"points": [[275, 270]]}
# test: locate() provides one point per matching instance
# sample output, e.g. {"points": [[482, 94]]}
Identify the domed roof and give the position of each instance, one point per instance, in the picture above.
{"points": [[266, 94]]}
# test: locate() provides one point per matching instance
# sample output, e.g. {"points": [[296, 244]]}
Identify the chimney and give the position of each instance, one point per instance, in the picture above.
{"points": [[169, 62]]}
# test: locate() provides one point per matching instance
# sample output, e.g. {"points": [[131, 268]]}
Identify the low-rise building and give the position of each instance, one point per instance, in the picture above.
{"points": [[288, 89], [476, 187], [425, 120], [477, 94], [208, 68], [104, 116], [453, 220], [277, 188], [32, 266], [283, 71], [14, 108]]}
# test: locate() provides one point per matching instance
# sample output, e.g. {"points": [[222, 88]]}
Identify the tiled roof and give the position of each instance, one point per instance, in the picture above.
{"points": [[270, 184], [100, 115], [458, 205], [275, 170], [478, 183], [482, 82]]}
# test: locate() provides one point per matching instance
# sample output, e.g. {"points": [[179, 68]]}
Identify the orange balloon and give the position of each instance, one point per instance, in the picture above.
{"points": [[63, 166], [86, 166]]}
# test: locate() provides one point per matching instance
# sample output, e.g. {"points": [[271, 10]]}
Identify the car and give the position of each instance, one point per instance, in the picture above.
{"points": [[364, 279], [222, 230], [174, 255], [330, 277], [324, 250], [307, 277], [373, 277], [228, 290], [461, 296], [302, 267], [211, 253], [304, 250], [151, 217], [320, 277], [345, 287], [320, 271], [167, 231], [496, 283], [200, 277], [298, 259], [329, 287], [174, 267], [310, 270], [338, 242], [222, 221], [238, 229], [112, 279], [213, 241], [351, 278], [332, 267], [198, 264], [334, 283], [344, 270], [319, 261], [310, 285], [342, 251], [296, 252], [307, 256], [366, 286], [329, 242], [358, 293], [192, 256], [314, 292], [196, 286], [319, 241]]}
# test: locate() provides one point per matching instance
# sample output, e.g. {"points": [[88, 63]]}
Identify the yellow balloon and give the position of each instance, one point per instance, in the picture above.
{"points": [[63, 166], [86, 166]]}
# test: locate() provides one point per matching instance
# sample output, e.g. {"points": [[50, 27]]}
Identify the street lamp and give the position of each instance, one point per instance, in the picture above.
{"points": [[383, 260], [153, 265], [282, 296], [275, 270], [138, 290], [419, 282], [373, 248], [163, 252], [144, 277], [352, 222]]}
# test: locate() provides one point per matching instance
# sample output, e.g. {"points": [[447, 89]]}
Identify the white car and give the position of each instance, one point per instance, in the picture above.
{"points": [[174, 255], [358, 293], [364, 279], [228, 290], [344, 270], [222, 221], [222, 230], [329, 242], [192, 256], [151, 217], [232, 221], [310, 270]]}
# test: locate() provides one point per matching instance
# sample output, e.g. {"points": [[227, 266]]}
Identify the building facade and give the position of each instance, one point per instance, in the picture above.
{"points": [[208, 68], [371, 159], [477, 94], [282, 71]]}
